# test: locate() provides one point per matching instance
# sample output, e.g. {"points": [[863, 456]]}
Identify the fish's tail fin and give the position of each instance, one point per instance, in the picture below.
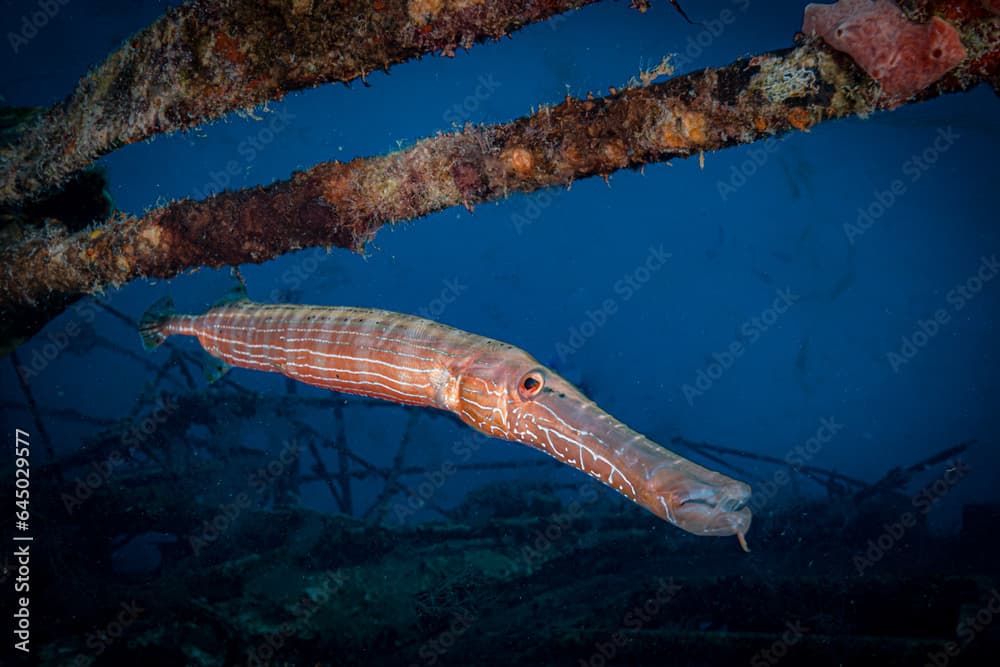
{"points": [[151, 324]]}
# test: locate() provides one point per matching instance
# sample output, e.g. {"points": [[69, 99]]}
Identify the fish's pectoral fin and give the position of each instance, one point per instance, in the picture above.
{"points": [[215, 369]]}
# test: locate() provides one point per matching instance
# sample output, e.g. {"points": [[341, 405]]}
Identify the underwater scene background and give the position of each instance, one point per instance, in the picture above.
{"points": [[813, 314]]}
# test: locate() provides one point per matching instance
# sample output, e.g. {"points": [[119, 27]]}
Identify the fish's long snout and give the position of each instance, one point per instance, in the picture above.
{"points": [[555, 417], [701, 501]]}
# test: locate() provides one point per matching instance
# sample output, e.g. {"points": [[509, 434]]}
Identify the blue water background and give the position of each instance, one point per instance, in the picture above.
{"points": [[754, 223]]}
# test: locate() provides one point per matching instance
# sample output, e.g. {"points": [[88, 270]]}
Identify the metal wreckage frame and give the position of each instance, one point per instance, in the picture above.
{"points": [[262, 581]]}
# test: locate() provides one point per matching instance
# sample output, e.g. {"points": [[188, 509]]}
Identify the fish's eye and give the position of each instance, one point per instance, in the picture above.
{"points": [[530, 385]]}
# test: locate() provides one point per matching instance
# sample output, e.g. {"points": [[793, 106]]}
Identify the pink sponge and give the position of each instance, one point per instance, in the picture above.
{"points": [[904, 57]]}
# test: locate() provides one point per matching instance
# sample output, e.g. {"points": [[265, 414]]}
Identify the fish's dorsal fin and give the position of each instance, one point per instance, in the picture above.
{"points": [[236, 293], [231, 297]]}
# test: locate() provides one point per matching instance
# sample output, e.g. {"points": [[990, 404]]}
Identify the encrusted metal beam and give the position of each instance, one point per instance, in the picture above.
{"points": [[345, 204], [208, 58]]}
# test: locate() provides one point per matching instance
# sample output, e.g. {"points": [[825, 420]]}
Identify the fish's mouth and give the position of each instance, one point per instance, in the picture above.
{"points": [[705, 508], [727, 505]]}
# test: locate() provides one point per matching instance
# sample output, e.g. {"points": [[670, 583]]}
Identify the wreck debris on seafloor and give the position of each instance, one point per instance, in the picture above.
{"points": [[240, 572], [290, 586], [345, 204]]}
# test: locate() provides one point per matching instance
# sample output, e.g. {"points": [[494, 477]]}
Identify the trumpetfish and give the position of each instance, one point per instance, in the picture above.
{"points": [[496, 388]]}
